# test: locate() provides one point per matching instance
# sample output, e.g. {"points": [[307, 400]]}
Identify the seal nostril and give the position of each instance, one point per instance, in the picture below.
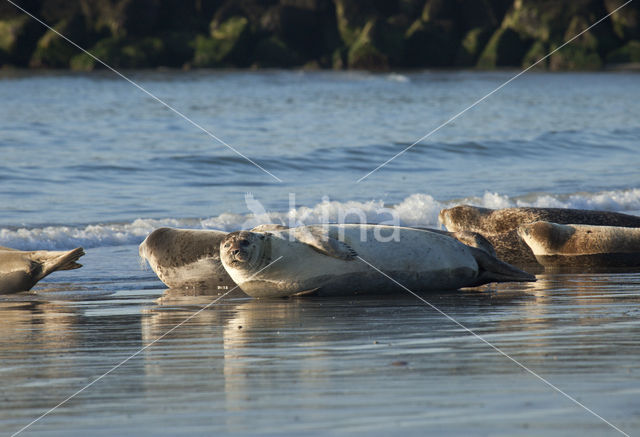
{"points": [[235, 251]]}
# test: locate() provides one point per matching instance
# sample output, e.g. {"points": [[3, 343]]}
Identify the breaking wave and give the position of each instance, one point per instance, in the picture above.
{"points": [[418, 209]]}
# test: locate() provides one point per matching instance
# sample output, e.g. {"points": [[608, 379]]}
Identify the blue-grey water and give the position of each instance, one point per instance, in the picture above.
{"points": [[87, 159], [94, 149]]}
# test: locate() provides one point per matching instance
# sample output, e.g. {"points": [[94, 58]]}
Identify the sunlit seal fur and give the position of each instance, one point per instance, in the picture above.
{"points": [[21, 270], [330, 259], [186, 258], [556, 245], [500, 226], [472, 239], [496, 221]]}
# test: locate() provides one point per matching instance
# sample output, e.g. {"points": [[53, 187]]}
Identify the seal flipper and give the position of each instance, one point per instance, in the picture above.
{"points": [[491, 269], [319, 240], [52, 261]]}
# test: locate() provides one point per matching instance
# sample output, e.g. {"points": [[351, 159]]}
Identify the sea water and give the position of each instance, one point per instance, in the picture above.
{"points": [[89, 160], [81, 150]]}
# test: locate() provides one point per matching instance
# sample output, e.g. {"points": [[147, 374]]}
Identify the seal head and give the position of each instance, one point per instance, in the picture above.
{"points": [[543, 237], [242, 250]]}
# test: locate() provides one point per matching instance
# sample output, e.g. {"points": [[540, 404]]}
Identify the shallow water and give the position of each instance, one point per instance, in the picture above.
{"points": [[342, 365], [88, 160]]}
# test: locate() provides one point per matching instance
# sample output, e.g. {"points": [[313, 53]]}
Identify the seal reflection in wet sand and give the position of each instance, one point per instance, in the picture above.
{"points": [[186, 258], [326, 260], [556, 245], [21, 270], [500, 226]]}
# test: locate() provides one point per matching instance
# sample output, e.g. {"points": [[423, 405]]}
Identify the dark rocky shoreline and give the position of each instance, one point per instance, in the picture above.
{"points": [[338, 34]]}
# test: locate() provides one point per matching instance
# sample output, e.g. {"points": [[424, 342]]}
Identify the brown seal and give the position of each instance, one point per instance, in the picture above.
{"points": [[497, 221], [500, 226], [21, 270], [510, 248], [557, 245]]}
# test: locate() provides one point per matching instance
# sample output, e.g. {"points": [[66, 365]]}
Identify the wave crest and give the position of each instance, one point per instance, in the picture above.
{"points": [[418, 209]]}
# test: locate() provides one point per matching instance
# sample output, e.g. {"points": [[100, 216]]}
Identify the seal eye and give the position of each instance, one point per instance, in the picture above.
{"points": [[244, 243], [226, 245]]}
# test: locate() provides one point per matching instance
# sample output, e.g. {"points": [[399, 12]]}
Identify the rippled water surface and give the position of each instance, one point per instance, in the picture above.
{"points": [[95, 149], [87, 159]]}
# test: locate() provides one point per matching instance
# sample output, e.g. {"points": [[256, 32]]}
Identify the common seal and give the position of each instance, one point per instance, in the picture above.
{"points": [[332, 259], [21, 270], [510, 248], [186, 258], [500, 226], [582, 245], [497, 221]]}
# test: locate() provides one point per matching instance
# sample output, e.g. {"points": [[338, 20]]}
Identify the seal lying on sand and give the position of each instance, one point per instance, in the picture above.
{"points": [[186, 258], [496, 221], [558, 245], [500, 226], [332, 259], [21, 270]]}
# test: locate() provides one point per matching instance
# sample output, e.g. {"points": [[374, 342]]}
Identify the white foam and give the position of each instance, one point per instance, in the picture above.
{"points": [[419, 209], [65, 237], [396, 77], [617, 200]]}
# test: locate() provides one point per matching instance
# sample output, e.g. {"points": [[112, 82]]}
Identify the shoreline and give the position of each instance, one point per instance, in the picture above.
{"points": [[613, 67]]}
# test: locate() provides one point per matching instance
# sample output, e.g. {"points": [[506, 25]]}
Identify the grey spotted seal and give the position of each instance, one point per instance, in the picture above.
{"points": [[500, 226], [186, 258], [338, 259], [190, 259], [556, 245], [21, 270]]}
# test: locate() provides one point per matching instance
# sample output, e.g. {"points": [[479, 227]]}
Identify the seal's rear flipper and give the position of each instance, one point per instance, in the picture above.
{"points": [[52, 261], [494, 270]]}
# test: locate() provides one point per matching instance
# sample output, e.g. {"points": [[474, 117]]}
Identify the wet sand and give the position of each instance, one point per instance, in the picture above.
{"points": [[326, 365]]}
